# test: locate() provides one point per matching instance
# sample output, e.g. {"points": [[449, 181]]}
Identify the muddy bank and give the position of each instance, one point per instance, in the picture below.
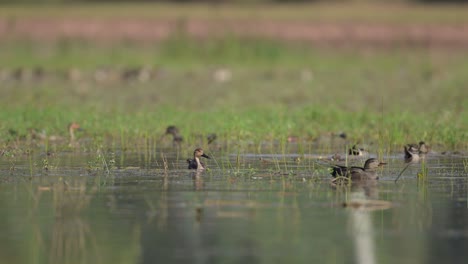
{"points": [[334, 34]]}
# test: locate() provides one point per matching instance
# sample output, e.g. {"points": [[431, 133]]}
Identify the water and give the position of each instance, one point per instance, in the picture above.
{"points": [[247, 208]]}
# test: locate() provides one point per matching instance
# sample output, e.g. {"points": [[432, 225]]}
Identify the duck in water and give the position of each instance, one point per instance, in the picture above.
{"points": [[72, 127], [368, 172], [411, 153], [195, 163], [423, 148], [176, 137], [357, 151]]}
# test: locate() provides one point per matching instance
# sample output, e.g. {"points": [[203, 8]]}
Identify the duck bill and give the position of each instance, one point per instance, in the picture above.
{"points": [[205, 156], [382, 163]]}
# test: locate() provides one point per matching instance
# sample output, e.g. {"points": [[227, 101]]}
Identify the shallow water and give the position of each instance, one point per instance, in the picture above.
{"points": [[125, 207]]}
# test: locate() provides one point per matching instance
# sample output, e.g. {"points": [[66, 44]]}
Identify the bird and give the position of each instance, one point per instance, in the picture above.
{"points": [[423, 148], [72, 127], [195, 163], [43, 136], [411, 153], [211, 137], [420, 148], [176, 137], [358, 173], [356, 151]]}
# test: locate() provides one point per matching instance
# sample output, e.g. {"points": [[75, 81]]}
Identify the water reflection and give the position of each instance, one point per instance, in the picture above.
{"points": [[71, 236], [362, 231]]}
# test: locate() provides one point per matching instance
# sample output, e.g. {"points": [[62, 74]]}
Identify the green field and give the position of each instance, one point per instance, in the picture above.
{"points": [[275, 89]]}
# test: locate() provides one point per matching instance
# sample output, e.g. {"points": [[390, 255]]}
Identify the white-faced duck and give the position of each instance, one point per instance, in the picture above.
{"points": [[195, 163], [411, 153], [420, 148], [369, 172]]}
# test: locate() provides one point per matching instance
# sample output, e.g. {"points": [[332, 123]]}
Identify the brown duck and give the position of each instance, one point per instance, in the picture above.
{"points": [[195, 163], [368, 172]]}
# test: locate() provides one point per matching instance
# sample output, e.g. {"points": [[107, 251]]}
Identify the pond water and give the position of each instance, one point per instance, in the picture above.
{"points": [[126, 207]]}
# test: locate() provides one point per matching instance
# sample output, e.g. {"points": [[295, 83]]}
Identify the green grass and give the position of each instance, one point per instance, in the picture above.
{"points": [[385, 97]]}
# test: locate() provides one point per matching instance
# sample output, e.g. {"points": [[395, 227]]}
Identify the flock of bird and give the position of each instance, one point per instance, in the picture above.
{"points": [[412, 153], [195, 163], [102, 74]]}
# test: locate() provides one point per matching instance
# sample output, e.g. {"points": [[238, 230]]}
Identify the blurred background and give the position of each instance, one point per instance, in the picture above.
{"points": [[313, 66]]}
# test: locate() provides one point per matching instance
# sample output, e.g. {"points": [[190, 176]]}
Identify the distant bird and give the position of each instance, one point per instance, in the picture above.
{"points": [[195, 163], [211, 137], [174, 131], [423, 148], [72, 127], [420, 148], [356, 151], [358, 173], [42, 134], [222, 75], [38, 73], [141, 74]]}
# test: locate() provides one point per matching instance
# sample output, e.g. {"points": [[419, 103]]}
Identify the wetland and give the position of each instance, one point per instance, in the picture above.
{"points": [[88, 173]]}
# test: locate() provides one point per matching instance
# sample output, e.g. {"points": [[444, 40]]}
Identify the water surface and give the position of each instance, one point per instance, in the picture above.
{"points": [[125, 207]]}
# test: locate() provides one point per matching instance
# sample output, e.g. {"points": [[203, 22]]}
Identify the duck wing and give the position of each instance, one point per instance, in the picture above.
{"points": [[357, 173], [338, 170], [192, 164]]}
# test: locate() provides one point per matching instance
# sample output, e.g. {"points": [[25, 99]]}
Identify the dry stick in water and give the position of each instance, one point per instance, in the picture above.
{"points": [[402, 172]]}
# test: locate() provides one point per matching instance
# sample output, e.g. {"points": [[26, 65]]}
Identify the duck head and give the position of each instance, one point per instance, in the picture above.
{"points": [[373, 163], [198, 152]]}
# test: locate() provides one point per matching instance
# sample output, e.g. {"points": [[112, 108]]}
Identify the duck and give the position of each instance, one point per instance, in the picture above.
{"points": [[211, 137], [411, 153], [72, 127], [43, 136], [195, 163], [357, 151], [174, 131], [423, 148], [368, 172]]}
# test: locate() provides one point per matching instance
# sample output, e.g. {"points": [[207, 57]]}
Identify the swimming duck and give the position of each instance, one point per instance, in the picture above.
{"points": [[358, 173], [421, 147], [411, 153], [195, 163]]}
